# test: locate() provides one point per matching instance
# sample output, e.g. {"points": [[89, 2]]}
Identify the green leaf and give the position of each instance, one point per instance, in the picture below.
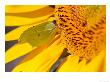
{"points": [[39, 35]]}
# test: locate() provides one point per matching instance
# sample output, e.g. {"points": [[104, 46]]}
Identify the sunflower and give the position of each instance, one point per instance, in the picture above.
{"points": [[61, 38]]}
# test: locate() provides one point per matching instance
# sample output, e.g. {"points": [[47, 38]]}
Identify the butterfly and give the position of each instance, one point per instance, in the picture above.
{"points": [[39, 35]]}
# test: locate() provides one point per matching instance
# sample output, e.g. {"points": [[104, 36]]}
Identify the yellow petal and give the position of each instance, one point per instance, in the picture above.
{"points": [[103, 65], [22, 8], [17, 21], [70, 64], [80, 66], [28, 18], [95, 64], [15, 34], [36, 51], [16, 51], [43, 61]]}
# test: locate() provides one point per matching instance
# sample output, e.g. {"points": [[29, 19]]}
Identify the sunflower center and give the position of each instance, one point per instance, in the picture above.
{"points": [[82, 29]]}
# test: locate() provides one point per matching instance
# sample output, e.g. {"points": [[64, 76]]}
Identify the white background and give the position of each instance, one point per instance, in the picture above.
{"points": [[53, 77]]}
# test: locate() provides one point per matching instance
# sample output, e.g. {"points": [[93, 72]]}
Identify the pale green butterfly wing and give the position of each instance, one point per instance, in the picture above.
{"points": [[39, 35]]}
